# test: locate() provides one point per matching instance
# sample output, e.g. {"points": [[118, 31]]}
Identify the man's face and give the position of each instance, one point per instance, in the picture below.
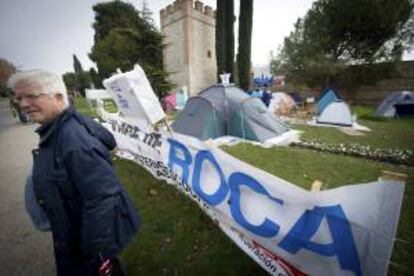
{"points": [[37, 104]]}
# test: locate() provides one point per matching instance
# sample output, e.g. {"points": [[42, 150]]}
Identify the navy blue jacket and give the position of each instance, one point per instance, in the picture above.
{"points": [[76, 185], [266, 98]]}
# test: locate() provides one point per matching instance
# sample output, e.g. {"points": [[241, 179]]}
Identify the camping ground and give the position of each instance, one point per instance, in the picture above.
{"points": [[177, 238]]}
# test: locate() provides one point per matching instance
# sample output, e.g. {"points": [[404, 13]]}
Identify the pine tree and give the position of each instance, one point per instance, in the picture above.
{"points": [[229, 37], [82, 79], [245, 37], [224, 37], [95, 79], [220, 35], [77, 66]]}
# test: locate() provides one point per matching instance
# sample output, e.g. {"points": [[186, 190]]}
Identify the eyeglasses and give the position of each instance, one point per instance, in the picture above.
{"points": [[28, 97]]}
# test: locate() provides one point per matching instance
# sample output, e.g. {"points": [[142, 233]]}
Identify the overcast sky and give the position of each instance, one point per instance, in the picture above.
{"points": [[45, 33]]}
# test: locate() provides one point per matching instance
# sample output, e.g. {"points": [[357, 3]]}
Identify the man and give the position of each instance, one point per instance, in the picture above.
{"points": [[266, 96], [90, 214], [16, 110]]}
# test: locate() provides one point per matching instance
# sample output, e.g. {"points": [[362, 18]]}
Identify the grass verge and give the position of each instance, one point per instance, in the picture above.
{"points": [[393, 134]]}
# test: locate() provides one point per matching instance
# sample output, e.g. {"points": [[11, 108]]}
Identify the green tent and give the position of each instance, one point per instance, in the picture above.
{"points": [[225, 110]]}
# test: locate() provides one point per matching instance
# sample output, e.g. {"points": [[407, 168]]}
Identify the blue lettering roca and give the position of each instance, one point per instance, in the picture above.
{"points": [[173, 158], [222, 191], [267, 228], [343, 244], [298, 237]]}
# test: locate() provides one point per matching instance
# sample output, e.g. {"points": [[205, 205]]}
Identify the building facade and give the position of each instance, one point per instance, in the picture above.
{"points": [[189, 56]]}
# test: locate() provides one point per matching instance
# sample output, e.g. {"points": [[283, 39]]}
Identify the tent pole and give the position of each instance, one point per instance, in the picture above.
{"points": [[168, 126]]}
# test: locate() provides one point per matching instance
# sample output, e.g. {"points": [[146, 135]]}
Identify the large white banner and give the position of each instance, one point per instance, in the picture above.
{"points": [[287, 230]]}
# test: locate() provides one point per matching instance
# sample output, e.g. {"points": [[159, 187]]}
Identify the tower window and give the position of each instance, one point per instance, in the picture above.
{"points": [[208, 53]]}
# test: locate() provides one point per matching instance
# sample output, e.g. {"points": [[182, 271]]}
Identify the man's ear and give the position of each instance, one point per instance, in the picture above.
{"points": [[59, 98]]}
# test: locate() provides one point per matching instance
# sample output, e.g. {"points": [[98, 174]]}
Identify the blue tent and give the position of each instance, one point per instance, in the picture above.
{"points": [[328, 96], [398, 104]]}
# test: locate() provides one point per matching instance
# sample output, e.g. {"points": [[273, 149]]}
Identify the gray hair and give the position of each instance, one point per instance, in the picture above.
{"points": [[49, 82]]}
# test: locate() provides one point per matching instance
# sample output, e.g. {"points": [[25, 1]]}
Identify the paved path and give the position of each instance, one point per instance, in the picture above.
{"points": [[23, 249]]}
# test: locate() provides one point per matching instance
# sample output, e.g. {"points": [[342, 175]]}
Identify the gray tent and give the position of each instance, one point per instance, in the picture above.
{"points": [[388, 107], [336, 113], [227, 110]]}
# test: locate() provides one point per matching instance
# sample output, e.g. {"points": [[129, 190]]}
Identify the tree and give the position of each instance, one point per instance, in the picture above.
{"points": [[70, 81], [337, 35], [229, 38], [6, 70], [123, 38], [220, 35], [77, 66], [225, 36], [95, 79], [82, 79], [245, 39]]}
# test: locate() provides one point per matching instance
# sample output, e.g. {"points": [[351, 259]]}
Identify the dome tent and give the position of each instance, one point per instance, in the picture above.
{"points": [[336, 113], [281, 103], [222, 110], [389, 106], [328, 96]]}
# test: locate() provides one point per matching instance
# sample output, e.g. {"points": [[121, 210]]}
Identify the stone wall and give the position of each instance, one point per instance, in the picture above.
{"points": [[374, 94], [188, 28]]}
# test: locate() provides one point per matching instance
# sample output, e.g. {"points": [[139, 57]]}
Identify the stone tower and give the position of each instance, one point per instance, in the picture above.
{"points": [[188, 28]]}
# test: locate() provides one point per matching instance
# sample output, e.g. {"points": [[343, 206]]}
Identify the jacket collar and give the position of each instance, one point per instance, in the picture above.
{"points": [[47, 130]]}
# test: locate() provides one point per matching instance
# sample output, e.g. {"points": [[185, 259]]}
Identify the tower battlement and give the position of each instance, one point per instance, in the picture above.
{"points": [[186, 7]]}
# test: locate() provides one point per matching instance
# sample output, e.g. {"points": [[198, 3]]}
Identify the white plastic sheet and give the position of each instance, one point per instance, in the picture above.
{"points": [[134, 95]]}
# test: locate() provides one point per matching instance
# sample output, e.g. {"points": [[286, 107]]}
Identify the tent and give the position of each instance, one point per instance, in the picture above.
{"points": [[398, 104], [336, 113], [281, 103], [328, 96], [225, 110], [296, 97]]}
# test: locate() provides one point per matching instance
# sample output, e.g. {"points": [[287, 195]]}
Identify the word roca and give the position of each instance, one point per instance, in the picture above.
{"points": [[299, 237]]}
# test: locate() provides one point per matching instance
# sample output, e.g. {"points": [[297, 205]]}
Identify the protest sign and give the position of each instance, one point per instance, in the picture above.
{"points": [[287, 230]]}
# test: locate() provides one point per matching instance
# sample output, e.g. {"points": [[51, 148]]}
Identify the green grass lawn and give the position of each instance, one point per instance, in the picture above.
{"points": [[396, 134], [177, 238], [386, 133]]}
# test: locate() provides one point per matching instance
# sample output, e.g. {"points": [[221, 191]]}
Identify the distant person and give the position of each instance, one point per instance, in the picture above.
{"points": [[256, 92], [90, 214], [266, 96], [16, 110], [71, 98]]}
